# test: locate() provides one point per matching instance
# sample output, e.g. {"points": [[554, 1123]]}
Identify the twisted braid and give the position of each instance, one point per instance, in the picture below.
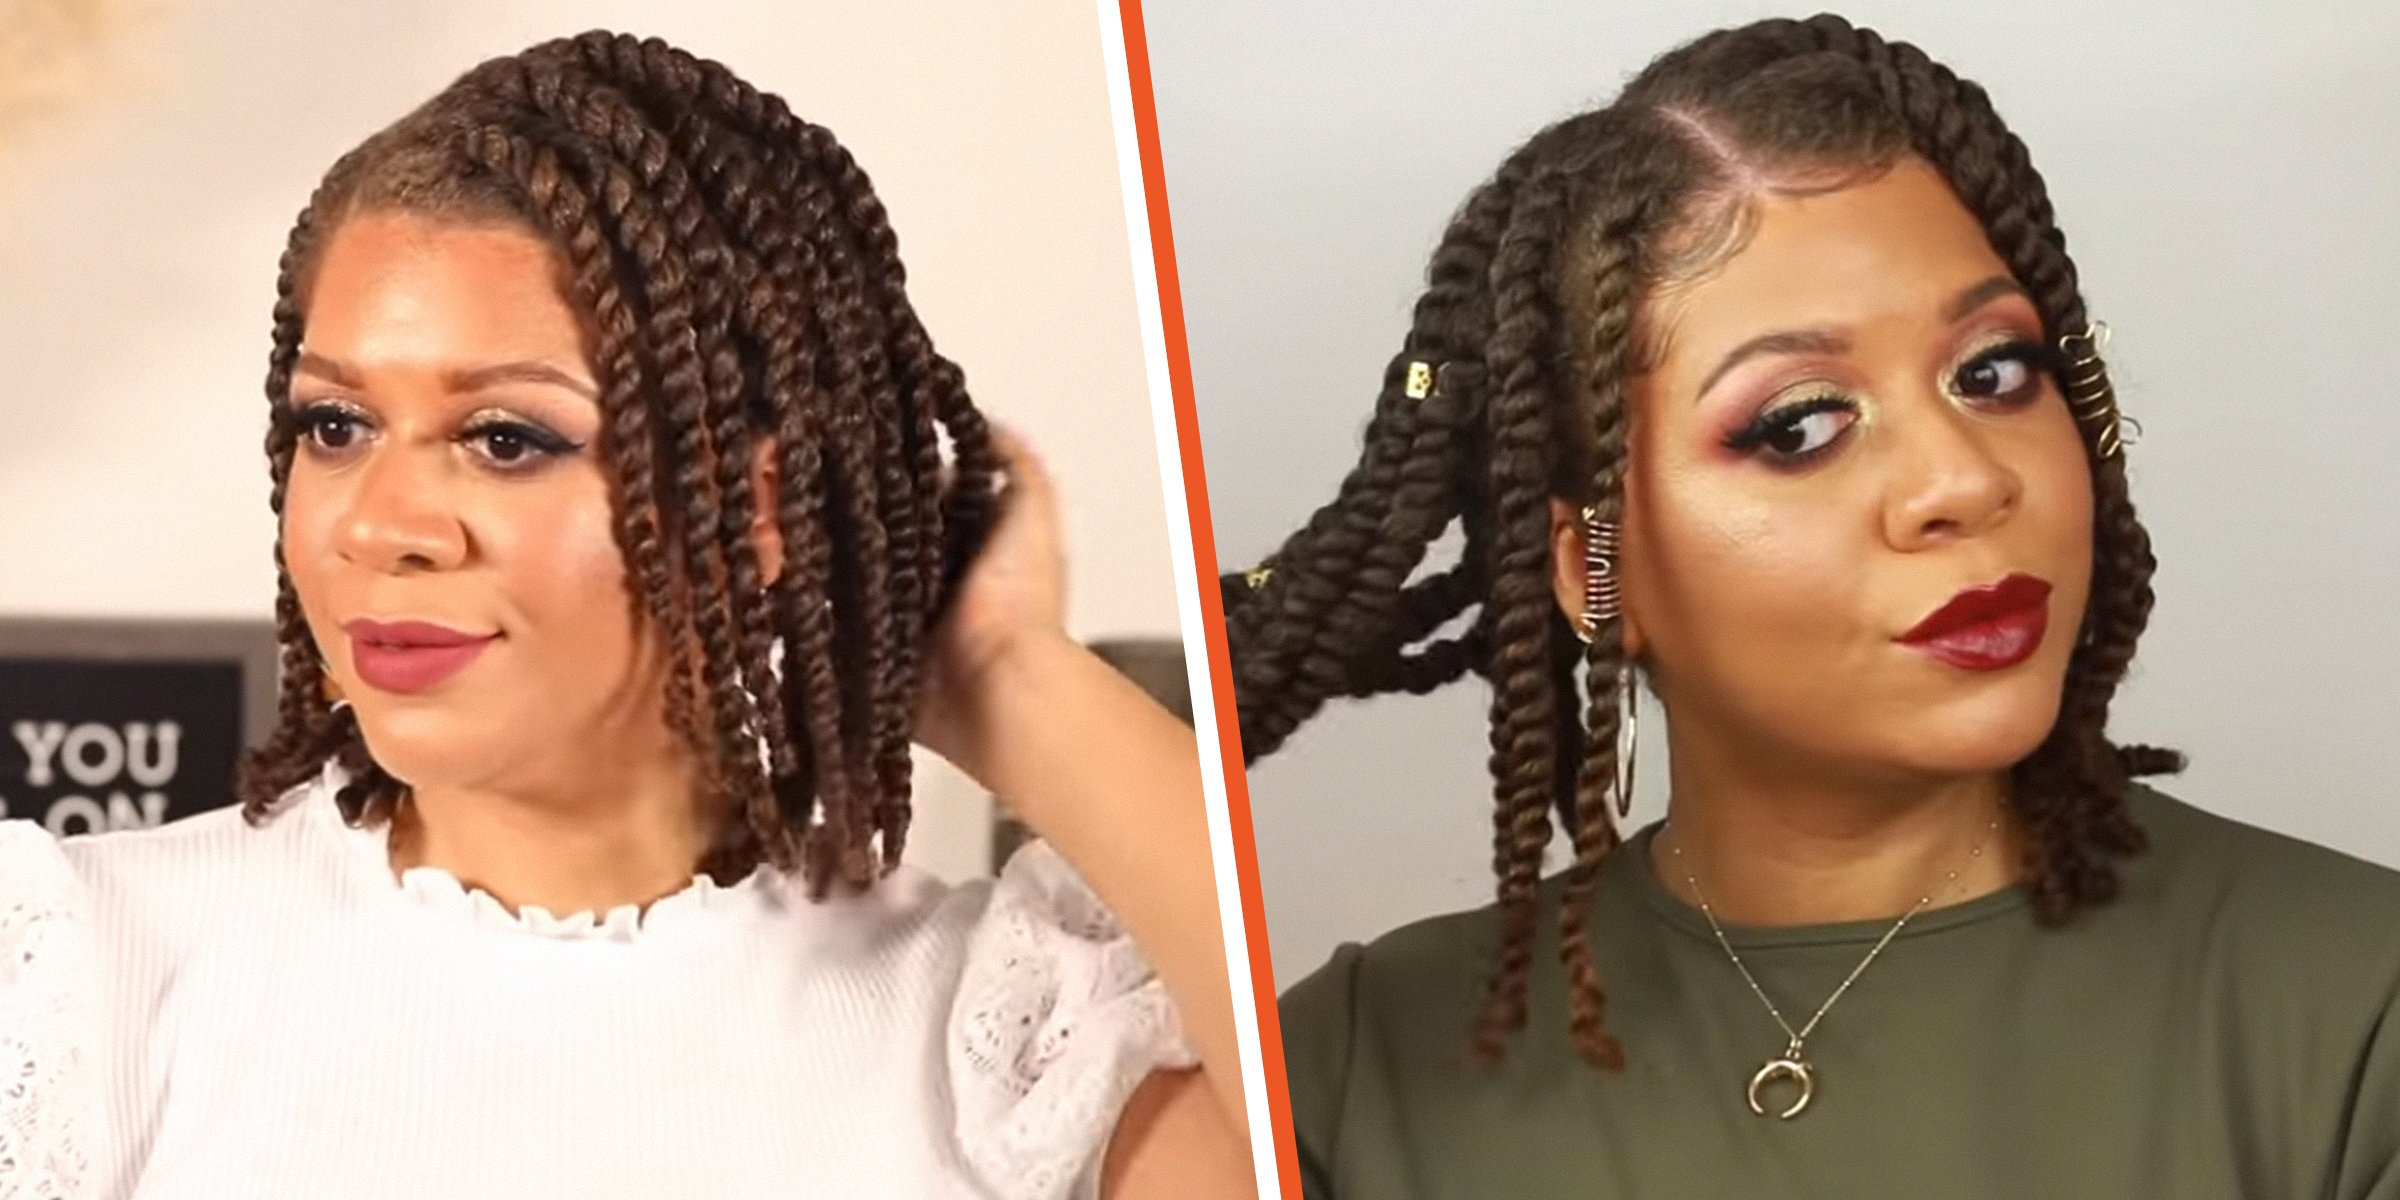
{"points": [[1295, 649], [1607, 283], [929, 389], [1532, 310], [308, 726], [1525, 341]]}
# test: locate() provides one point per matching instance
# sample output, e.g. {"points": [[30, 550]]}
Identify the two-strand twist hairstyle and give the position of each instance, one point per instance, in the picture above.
{"points": [[1532, 314], [743, 294]]}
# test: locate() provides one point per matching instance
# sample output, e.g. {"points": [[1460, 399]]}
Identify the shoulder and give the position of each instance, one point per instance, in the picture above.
{"points": [[2259, 873], [1424, 960], [1041, 1014], [41, 900], [907, 937], [1042, 944], [1402, 1003], [1037, 895], [32, 867], [179, 855], [48, 985], [1058, 1018], [908, 921], [201, 838], [2319, 923], [178, 880]]}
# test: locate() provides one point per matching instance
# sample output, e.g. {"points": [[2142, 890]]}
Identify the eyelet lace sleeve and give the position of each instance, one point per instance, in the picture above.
{"points": [[47, 995], [1058, 1019]]}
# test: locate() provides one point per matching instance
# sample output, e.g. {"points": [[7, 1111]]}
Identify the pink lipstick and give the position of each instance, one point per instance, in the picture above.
{"points": [[410, 656], [1986, 628]]}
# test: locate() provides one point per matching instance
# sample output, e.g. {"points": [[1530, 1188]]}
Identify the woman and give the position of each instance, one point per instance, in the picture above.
{"points": [[1771, 383], [630, 530]]}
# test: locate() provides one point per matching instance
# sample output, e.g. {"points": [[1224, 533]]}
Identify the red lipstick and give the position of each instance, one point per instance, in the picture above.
{"points": [[1986, 628], [410, 656]]}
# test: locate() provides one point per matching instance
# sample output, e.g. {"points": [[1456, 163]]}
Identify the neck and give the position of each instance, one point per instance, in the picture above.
{"points": [[1776, 848], [625, 833]]}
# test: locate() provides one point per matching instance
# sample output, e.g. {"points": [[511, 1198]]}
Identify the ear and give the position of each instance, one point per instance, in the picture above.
{"points": [[765, 536], [1566, 573]]}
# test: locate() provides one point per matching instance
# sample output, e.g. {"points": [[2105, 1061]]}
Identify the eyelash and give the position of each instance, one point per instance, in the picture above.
{"points": [[2040, 359], [311, 421], [1772, 422]]}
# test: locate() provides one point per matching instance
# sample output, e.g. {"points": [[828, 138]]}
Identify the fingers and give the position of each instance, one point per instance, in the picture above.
{"points": [[1029, 486]]}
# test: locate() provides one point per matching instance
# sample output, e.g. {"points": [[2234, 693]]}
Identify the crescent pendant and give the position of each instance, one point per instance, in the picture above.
{"points": [[1792, 1068]]}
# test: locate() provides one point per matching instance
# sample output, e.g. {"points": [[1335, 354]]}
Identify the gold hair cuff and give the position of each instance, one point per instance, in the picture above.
{"points": [[1602, 600], [2084, 380]]}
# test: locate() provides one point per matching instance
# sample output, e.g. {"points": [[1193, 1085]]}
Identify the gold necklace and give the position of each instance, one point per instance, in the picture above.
{"points": [[1793, 1063]]}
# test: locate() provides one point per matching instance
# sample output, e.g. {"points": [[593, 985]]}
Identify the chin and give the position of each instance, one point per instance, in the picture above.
{"points": [[433, 745], [1993, 729]]}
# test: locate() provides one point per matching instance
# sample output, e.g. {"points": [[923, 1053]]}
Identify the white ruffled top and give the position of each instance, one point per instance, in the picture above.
{"points": [[210, 1009]]}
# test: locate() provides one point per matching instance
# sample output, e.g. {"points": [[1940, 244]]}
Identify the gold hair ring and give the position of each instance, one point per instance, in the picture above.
{"points": [[1420, 380], [2084, 379]]}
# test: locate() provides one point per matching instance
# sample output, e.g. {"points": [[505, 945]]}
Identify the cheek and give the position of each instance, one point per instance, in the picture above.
{"points": [[309, 555], [2047, 453], [1729, 573], [553, 547], [2062, 487]]}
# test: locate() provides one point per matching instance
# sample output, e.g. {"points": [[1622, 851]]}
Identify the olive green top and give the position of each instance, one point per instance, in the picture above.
{"points": [[2228, 1026]]}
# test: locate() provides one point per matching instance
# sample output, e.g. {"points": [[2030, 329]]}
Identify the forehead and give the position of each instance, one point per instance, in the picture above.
{"points": [[1897, 246], [393, 288]]}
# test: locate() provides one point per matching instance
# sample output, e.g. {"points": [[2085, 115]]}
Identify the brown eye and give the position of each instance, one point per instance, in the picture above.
{"points": [[505, 445], [1795, 433], [515, 445], [1993, 377], [2008, 372], [1808, 434], [329, 428]]}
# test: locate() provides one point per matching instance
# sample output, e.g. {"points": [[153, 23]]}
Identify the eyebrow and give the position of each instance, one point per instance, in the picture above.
{"points": [[473, 379], [1984, 293], [325, 368], [1789, 341], [518, 372], [1821, 341]]}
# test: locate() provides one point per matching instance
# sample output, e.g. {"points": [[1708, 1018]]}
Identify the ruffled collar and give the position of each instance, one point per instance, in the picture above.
{"points": [[703, 903]]}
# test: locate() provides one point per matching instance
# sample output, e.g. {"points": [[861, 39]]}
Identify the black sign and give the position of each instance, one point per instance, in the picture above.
{"points": [[92, 744]]}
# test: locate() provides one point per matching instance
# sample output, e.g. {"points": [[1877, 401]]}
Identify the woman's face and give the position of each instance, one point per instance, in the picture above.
{"points": [[447, 524], [1852, 423]]}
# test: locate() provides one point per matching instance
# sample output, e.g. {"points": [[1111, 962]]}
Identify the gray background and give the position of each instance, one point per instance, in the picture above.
{"points": [[2228, 175]]}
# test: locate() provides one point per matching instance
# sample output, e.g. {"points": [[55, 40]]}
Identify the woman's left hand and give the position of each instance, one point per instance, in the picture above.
{"points": [[1013, 596]]}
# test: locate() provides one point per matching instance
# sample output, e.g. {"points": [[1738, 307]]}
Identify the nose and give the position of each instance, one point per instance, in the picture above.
{"points": [[1953, 484], [399, 519]]}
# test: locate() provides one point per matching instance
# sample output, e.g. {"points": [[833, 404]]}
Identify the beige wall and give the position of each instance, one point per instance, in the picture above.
{"points": [[138, 243]]}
